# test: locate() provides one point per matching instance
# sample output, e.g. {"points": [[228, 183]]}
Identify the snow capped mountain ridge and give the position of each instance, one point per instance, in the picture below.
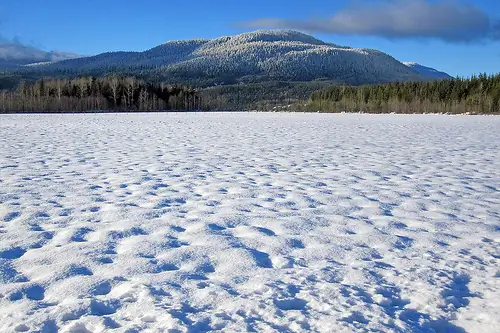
{"points": [[261, 55], [428, 72], [275, 36], [257, 36]]}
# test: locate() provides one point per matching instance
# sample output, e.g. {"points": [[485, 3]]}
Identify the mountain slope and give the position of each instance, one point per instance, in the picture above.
{"points": [[427, 72], [250, 57], [14, 55]]}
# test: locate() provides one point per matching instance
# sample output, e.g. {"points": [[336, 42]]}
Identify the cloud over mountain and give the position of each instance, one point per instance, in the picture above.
{"points": [[15, 53], [446, 20]]}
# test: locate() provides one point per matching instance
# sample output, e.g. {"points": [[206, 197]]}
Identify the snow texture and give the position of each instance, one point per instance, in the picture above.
{"points": [[249, 222]]}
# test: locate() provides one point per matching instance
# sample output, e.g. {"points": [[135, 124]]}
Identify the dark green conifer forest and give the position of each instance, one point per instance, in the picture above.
{"points": [[475, 95]]}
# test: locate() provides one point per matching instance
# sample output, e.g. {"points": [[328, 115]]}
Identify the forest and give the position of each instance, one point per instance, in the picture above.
{"points": [[263, 96], [475, 95], [97, 94]]}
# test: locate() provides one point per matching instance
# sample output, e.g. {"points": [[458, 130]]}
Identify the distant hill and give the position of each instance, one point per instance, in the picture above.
{"points": [[258, 56], [14, 55], [427, 72]]}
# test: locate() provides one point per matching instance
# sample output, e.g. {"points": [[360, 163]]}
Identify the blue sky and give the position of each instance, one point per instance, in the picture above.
{"points": [[95, 26]]}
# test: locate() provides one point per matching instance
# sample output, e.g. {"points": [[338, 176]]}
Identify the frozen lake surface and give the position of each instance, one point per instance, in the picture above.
{"points": [[249, 222]]}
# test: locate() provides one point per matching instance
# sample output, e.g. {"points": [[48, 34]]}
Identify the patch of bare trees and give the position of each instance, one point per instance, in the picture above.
{"points": [[98, 94]]}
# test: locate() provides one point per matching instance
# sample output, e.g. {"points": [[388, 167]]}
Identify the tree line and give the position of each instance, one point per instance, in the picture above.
{"points": [[98, 94], [475, 95], [262, 96]]}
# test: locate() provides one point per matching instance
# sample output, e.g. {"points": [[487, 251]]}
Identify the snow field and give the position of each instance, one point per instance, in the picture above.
{"points": [[249, 222]]}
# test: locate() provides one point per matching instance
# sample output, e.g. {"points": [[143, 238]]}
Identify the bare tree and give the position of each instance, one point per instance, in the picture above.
{"points": [[114, 85]]}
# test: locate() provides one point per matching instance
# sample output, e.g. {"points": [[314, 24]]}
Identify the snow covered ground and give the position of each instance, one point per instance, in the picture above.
{"points": [[249, 222]]}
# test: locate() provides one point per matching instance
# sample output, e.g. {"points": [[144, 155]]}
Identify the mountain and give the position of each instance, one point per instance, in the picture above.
{"points": [[258, 56], [427, 72], [14, 55]]}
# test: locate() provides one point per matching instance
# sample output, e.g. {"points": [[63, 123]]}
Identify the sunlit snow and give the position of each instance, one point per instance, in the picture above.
{"points": [[249, 222]]}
